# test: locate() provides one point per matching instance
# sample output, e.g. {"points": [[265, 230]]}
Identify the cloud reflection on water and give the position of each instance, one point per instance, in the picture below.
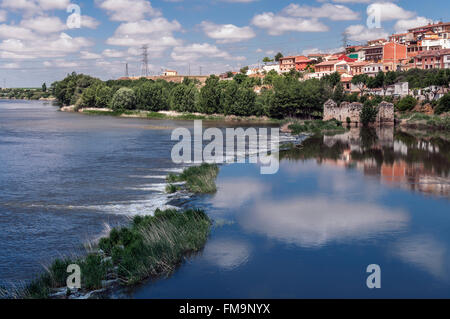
{"points": [[314, 222], [227, 254]]}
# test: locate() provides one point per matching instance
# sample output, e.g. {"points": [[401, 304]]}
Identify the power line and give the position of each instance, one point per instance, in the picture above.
{"points": [[144, 60]]}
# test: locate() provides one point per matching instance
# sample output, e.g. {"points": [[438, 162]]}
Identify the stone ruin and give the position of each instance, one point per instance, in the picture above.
{"points": [[353, 110]]}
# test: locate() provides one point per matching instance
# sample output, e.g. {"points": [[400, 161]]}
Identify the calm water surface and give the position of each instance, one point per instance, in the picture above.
{"points": [[337, 205]]}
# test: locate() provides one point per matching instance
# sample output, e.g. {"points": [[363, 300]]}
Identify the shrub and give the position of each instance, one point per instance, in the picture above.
{"points": [[368, 114], [406, 104], [124, 99], [443, 105]]}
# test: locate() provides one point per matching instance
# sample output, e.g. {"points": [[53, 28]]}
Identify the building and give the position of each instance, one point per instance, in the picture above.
{"points": [[169, 73], [298, 63], [287, 63], [357, 68], [342, 67], [302, 62], [387, 52], [441, 29], [325, 68], [372, 69], [433, 59], [401, 38]]}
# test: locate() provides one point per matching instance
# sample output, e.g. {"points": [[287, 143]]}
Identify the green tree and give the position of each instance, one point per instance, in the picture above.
{"points": [[44, 87], [278, 56], [443, 105], [368, 113], [210, 96], [338, 94], [103, 96], [267, 60], [183, 98], [407, 103], [152, 96], [124, 99], [244, 70], [360, 81]]}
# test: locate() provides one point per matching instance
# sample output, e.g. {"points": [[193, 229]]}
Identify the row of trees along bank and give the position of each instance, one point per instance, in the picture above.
{"points": [[280, 95]]}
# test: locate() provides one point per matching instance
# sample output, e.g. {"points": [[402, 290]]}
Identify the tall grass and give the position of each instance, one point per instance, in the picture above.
{"points": [[199, 179], [150, 246], [316, 126]]}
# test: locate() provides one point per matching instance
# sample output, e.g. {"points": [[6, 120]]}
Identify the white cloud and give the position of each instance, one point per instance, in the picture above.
{"points": [[388, 11], [128, 10], [35, 6], [89, 22], [55, 46], [18, 32], [3, 15], [362, 33], [157, 33], [329, 11], [403, 25], [109, 53], [86, 55], [227, 33], [279, 24], [196, 51], [44, 25], [10, 66]]}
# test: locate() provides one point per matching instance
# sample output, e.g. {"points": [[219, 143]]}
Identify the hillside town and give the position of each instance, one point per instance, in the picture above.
{"points": [[426, 47]]}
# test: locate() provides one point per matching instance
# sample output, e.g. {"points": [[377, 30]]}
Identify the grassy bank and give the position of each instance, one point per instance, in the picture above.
{"points": [[180, 116], [150, 246], [316, 127], [198, 179], [425, 121]]}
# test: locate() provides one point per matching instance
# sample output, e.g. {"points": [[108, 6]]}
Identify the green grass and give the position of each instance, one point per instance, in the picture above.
{"points": [[199, 179], [109, 113], [150, 246], [427, 121], [316, 126]]}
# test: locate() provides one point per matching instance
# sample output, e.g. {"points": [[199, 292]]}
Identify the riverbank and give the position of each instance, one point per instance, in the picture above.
{"points": [[421, 121], [150, 247], [169, 115]]}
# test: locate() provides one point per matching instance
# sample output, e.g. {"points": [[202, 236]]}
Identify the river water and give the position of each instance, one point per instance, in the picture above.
{"points": [[338, 204]]}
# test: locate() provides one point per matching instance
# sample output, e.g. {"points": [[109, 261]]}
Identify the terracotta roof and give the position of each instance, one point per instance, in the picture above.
{"points": [[362, 63], [430, 26], [325, 63]]}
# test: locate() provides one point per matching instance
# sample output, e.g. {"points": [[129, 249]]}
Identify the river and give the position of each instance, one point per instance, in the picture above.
{"points": [[338, 204]]}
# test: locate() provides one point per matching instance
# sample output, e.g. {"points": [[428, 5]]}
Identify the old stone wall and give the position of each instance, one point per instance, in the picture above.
{"points": [[353, 110], [341, 112]]}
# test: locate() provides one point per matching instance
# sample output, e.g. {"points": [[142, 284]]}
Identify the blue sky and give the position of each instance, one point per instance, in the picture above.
{"points": [[38, 45]]}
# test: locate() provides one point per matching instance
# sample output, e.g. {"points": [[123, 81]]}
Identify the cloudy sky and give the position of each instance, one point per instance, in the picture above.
{"points": [[42, 40]]}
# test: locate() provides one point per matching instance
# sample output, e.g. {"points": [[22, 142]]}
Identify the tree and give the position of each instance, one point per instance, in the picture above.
{"points": [[368, 114], [443, 105], [152, 96], [267, 60], [360, 81], [124, 99], [406, 104], [103, 96], [338, 94], [278, 56], [44, 87], [210, 96], [244, 70], [182, 98]]}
